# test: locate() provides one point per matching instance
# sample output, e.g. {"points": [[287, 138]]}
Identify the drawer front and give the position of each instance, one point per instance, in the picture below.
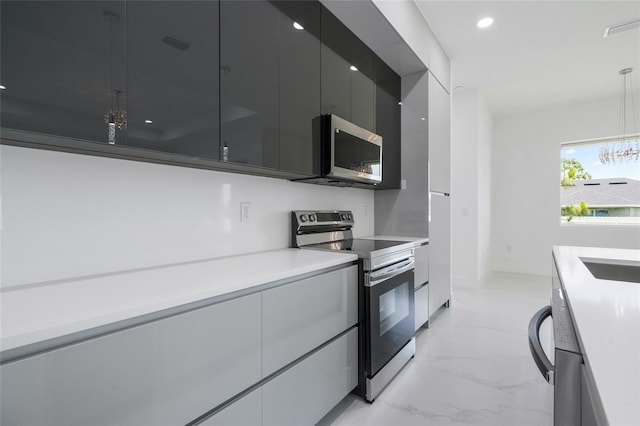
{"points": [[306, 392], [422, 306], [246, 411], [299, 317], [166, 372], [421, 255]]}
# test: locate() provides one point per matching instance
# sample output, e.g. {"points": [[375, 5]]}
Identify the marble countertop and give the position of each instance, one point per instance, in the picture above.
{"points": [[607, 318], [418, 241], [45, 311]]}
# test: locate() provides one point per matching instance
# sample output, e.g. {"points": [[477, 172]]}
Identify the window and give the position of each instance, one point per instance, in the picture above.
{"points": [[600, 181]]}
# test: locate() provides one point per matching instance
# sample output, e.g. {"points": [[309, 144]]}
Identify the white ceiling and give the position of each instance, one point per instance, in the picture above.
{"points": [[537, 53]]}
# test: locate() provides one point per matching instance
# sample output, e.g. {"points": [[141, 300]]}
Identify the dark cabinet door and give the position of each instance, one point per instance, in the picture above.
{"points": [[62, 63], [388, 124], [335, 84], [347, 88], [172, 57], [363, 101], [249, 82], [270, 82], [299, 60], [363, 88]]}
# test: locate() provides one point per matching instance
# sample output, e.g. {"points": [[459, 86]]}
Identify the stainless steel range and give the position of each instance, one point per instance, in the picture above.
{"points": [[386, 295]]}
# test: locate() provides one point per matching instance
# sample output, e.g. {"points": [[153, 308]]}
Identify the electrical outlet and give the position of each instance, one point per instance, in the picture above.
{"points": [[245, 212]]}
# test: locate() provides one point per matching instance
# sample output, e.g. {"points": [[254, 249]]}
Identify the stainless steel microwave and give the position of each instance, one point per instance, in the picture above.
{"points": [[350, 153]]}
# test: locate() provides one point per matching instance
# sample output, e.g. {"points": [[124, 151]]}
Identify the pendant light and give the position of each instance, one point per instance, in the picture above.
{"points": [[627, 148], [115, 117]]}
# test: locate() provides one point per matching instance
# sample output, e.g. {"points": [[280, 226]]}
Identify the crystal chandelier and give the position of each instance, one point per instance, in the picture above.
{"points": [[626, 149], [115, 117]]}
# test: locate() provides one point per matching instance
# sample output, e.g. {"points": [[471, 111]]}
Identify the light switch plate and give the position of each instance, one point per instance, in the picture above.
{"points": [[245, 212]]}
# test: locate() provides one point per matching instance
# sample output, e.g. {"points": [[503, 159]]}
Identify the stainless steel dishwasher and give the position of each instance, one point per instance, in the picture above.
{"points": [[575, 399]]}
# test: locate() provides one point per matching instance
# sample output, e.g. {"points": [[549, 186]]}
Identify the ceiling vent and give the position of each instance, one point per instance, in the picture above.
{"points": [[174, 42], [623, 26]]}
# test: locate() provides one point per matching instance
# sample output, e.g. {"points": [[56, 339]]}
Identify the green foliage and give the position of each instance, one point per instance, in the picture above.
{"points": [[571, 211], [572, 169]]}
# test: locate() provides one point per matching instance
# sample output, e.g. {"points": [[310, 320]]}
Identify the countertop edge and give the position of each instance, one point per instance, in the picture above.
{"points": [[282, 267]]}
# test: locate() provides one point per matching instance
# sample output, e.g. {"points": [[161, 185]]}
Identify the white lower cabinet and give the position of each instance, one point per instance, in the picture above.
{"points": [[421, 306], [303, 394], [247, 411], [174, 370], [165, 372], [299, 317]]}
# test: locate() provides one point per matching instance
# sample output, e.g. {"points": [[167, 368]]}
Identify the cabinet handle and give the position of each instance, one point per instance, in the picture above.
{"points": [[540, 358]]}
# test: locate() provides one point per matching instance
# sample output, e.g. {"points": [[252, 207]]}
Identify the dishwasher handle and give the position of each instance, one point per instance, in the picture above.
{"points": [[540, 358]]}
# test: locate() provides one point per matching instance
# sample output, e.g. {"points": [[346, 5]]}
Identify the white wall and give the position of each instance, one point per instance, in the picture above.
{"points": [[526, 191], [67, 215], [470, 187]]}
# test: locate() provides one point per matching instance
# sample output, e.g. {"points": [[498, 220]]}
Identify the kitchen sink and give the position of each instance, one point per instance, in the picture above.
{"points": [[605, 269]]}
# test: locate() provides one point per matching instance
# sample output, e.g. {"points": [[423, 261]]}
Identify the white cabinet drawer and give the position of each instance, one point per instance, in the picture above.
{"points": [[422, 306], [421, 270], [299, 317], [247, 411], [165, 372], [306, 392]]}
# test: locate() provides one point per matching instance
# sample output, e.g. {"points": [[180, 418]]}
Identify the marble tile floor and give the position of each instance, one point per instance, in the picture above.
{"points": [[472, 366]]}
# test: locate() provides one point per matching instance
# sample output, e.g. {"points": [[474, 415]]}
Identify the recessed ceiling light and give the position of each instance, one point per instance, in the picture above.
{"points": [[297, 26], [2, 87], [148, 121], [353, 68], [623, 26], [484, 22]]}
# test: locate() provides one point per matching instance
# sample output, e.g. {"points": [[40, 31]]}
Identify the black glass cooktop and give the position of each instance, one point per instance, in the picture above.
{"points": [[360, 246]]}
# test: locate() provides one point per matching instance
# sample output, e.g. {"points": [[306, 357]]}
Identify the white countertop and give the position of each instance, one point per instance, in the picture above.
{"points": [[37, 313], [416, 240], [607, 319]]}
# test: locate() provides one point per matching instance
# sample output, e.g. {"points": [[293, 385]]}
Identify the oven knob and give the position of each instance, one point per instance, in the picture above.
{"points": [[304, 218], [343, 216], [312, 217], [349, 216]]}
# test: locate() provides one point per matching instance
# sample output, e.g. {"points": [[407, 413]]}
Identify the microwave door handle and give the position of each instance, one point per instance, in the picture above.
{"points": [[540, 358], [390, 272]]}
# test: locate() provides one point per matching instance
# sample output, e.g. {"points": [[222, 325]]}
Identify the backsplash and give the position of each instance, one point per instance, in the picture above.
{"points": [[68, 215]]}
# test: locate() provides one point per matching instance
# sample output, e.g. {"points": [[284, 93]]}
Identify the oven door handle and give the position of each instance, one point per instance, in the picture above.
{"points": [[540, 358], [390, 271]]}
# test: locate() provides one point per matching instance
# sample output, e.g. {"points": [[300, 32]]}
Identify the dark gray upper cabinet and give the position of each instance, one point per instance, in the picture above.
{"points": [[270, 82], [249, 82], [235, 85], [299, 60], [61, 63], [347, 87], [388, 123], [72, 67], [172, 63]]}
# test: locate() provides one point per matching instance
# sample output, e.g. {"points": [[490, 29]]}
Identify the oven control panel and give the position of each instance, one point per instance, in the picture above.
{"points": [[324, 218]]}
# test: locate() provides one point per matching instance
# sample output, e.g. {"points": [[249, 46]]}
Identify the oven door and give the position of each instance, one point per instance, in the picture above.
{"points": [[389, 311]]}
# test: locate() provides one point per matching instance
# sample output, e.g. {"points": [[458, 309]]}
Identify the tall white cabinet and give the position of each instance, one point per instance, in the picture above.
{"points": [[439, 130]]}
